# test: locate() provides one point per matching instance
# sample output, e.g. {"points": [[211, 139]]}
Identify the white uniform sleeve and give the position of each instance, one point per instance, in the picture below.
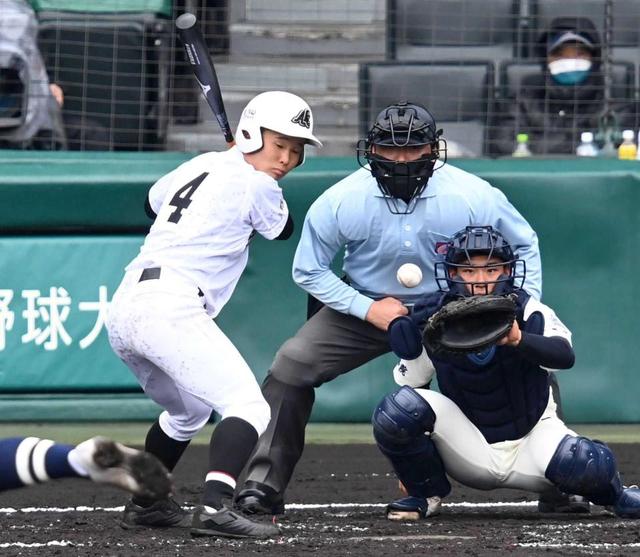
{"points": [[553, 327], [414, 373], [158, 191], [268, 210]]}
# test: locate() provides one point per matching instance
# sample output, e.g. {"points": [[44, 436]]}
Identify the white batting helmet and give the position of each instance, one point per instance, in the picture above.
{"points": [[278, 111]]}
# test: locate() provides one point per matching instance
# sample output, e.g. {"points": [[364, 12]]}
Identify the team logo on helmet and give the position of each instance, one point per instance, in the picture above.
{"points": [[303, 118]]}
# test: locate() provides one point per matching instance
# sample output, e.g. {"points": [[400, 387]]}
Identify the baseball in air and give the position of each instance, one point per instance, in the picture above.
{"points": [[409, 275]]}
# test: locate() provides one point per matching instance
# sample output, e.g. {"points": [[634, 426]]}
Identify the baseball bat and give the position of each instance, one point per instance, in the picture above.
{"points": [[203, 69]]}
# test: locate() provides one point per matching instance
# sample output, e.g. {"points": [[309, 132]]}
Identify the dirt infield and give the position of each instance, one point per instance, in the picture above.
{"points": [[335, 508]]}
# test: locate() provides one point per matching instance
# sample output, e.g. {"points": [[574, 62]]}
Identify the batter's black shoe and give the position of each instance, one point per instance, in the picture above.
{"points": [[257, 498], [558, 502], [165, 513], [229, 524]]}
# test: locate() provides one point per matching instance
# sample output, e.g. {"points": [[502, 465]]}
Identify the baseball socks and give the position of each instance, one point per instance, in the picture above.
{"points": [[26, 461], [231, 445], [167, 450], [30, 460]]}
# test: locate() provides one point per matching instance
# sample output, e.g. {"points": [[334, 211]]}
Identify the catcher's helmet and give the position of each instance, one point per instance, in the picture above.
{"points": [[479, 240], [402, 124], [280, 112]]}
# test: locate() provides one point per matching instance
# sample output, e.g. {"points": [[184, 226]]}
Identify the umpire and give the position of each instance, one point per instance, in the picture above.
{"points": [[400, 207]]}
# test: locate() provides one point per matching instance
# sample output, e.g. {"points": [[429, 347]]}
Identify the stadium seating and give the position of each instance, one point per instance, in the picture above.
{"points": [[436, 30], [456, 93], [113, 69]]}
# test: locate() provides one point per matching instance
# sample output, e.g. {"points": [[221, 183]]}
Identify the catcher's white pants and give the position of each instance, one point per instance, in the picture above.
{"points": [[181, 358], [469, 459]]}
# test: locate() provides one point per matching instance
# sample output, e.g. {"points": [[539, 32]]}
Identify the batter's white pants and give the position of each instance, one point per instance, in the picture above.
{"points": [[181, 358], [469, 459]]}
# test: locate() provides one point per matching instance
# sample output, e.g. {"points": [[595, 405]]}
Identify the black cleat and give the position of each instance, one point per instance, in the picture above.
{"points": [[628, 503], [257, 498], [165, 513], [413, 508], [229, 524], [558, 502]]}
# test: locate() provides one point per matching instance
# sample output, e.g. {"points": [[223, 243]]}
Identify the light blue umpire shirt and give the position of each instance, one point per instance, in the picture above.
{"points": [[353, 215]]}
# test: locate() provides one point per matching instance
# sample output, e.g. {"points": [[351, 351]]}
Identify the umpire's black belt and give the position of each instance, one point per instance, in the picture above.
{"points": [[153, 273]]}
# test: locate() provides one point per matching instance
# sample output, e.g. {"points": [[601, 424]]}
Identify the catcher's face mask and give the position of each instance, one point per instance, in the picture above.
{"points": [[479, 260], [402, 149], [480, 275]]}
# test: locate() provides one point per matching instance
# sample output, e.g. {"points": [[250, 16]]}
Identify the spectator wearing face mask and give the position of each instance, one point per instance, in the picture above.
{"points": [[566, 98]]}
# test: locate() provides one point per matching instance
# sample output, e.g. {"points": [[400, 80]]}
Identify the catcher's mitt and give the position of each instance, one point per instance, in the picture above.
{"points": [[470, 324]]}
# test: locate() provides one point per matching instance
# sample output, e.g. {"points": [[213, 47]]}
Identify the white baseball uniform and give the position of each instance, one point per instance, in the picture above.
{"points": [[160, 321]]}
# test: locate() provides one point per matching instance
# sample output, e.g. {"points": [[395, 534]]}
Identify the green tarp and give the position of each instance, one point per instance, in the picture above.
{"points": [[585, 212], [162, 7]]}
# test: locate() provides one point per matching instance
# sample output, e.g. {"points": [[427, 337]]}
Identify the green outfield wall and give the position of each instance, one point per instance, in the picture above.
{"points": [[71, 221]]}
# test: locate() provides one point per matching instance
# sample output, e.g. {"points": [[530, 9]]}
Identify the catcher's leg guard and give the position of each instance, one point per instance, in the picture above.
{"points": [[585, 467], [399, 425]]}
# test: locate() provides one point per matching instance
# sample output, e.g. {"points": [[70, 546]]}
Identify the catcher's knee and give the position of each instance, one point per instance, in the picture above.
{"points": [[401, 418], [585, 467], [295, 364]]}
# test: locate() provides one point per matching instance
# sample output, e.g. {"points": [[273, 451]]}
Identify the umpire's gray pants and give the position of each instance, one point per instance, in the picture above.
{"points": [[328, 345]]}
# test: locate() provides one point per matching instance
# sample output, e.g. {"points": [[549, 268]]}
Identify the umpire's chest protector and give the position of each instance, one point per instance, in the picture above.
{"points": [[500, 392]]}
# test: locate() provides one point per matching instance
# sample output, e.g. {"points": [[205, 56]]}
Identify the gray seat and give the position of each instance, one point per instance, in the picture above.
{"points": [[456, 93], [433, 30], [625, 30]]}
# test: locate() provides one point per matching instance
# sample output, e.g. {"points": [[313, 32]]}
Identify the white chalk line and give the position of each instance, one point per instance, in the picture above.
{"points": [[329, 506], [576, 545], [289, 506], [54, 543]]}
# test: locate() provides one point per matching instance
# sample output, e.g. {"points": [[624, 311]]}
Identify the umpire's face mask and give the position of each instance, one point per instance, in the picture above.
{"points": [[402, 180], [402, 172]]}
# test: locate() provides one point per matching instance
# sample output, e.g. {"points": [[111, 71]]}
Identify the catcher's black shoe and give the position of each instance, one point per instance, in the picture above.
{"points": [[627, 504], [164, 513], [257, 498], [558, 502], [413, 508], [229, 524]]}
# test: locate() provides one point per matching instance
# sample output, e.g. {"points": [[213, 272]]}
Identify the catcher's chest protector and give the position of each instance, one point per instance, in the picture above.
{"points": [[503, 396]]}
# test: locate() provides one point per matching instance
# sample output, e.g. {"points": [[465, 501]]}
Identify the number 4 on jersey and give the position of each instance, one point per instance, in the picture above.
{"points": [[182, 199]]}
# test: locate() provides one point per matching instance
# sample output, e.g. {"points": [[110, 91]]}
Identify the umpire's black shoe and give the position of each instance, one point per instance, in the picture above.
{"points": [[558, 502], [164, 513], [229, 524], [257, 498]]}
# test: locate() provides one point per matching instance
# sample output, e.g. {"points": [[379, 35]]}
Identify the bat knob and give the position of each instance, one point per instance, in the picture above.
{"points": [[186, 21]]}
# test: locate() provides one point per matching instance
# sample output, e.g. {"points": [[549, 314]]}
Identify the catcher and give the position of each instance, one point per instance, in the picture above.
{"points": [[494, 422]]}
